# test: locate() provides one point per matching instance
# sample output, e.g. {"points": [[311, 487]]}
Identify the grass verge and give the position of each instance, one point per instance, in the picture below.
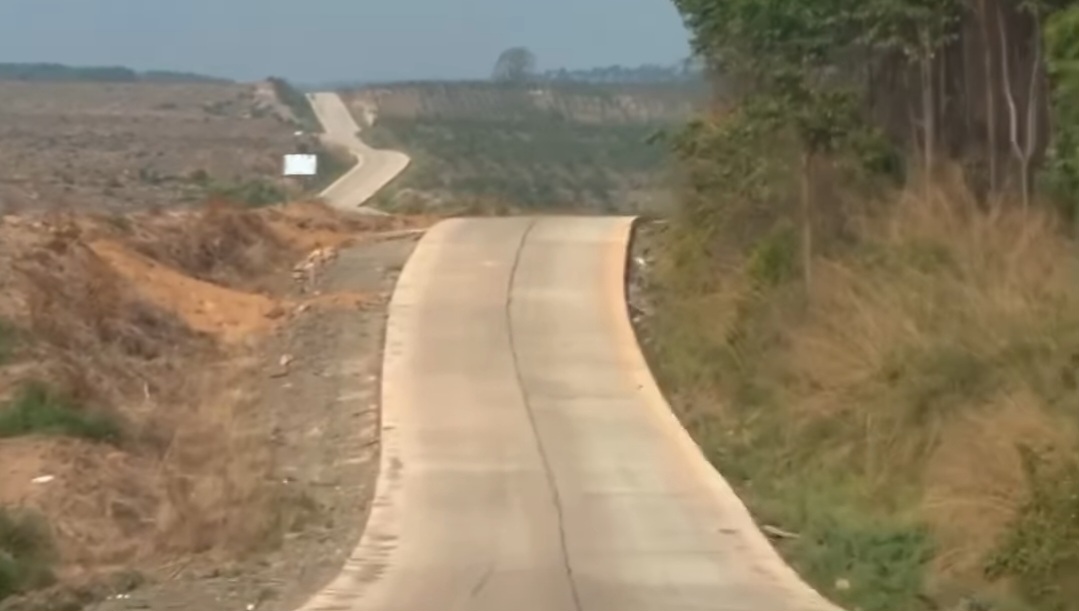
{"points": [[913, 421]]}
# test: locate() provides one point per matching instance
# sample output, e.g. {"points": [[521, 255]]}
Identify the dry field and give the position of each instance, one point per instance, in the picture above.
{"points": [[122, 146]]}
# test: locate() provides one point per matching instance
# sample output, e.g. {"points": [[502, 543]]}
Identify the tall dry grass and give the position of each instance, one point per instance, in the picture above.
{"points": [[898, 409], [191, 470]]}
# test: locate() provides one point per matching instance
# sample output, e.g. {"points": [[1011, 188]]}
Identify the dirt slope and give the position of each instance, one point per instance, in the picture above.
{"points": [[165, 455]]}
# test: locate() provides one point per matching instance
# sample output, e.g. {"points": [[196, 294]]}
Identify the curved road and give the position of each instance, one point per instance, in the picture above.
{"points": [[374, 169], [529, 462]]}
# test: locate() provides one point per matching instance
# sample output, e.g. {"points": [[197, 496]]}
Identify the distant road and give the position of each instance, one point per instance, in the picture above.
{"points": [[374, 169], [529, 462]]}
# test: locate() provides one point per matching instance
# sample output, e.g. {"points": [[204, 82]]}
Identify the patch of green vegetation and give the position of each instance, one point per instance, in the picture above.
{"points": [[27, 553], [862, 363], [255, 193], [37, 409], [536, 160], [9, 340], [857, 560], [854, 541], [1040, 550]]}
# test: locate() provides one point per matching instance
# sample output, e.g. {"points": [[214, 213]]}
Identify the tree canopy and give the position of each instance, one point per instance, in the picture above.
{"points": [[515, 65]]}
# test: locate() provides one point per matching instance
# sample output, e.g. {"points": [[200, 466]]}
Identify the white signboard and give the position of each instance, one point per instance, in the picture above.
{"points": [[301, 165]]}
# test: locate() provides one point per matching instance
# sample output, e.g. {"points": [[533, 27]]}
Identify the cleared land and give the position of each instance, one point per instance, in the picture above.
{"points": [[125, 146], [188, 377], [567, 146]]}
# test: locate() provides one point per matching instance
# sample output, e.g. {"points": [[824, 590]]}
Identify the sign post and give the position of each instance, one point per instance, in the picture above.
{"points": [[304, 166]]}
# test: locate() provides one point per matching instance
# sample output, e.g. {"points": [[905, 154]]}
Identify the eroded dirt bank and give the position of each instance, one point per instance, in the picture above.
{"points": [[188, 403]]}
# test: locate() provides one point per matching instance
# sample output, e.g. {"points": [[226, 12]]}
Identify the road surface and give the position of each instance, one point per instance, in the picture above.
{"points": [[529, 462], [374, 168]]}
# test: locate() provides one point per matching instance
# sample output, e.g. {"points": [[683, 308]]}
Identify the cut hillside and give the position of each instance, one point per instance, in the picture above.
{"points": [[582, 146], [137, 438]]}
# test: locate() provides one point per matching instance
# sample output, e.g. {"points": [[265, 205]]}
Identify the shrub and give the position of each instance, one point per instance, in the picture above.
{"points": [[38, 409], [26, 553], [8, 340]]}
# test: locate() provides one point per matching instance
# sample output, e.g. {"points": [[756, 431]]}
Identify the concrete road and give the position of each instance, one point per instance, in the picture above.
{"points": [[374, 168], [529, 462]]}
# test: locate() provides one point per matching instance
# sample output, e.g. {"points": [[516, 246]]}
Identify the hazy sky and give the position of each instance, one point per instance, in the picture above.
{"points": [[316, 40]]}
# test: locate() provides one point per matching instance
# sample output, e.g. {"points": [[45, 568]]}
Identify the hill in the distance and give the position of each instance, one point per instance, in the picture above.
{"points": [[60, 73]]}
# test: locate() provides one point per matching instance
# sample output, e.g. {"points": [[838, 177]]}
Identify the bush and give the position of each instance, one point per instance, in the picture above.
{"points": [[253, 192], [38, 409], [8, 340], [26, 553]]}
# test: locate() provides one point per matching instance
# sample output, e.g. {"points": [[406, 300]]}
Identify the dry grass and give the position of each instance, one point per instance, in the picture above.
{"points": [[895, 412], [153, 321]]}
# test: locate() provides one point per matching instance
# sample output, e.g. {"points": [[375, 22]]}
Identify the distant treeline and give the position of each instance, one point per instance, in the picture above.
{"points": [[97, 74], [686, 71]]}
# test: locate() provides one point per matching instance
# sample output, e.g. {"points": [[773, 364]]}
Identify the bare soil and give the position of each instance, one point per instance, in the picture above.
{"points": [[239, 350], [117, 147], [322, 413]]}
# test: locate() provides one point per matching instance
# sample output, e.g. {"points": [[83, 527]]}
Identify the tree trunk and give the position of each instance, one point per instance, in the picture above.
{"points": [[990, 99], [929, 118], [1033, 104], [1009, 94], [807, 220]]}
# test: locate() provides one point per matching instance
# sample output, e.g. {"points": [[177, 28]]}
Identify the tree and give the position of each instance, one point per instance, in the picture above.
{"points": [[1062, 42], [516, 65], [918, 30], [785, 54]]}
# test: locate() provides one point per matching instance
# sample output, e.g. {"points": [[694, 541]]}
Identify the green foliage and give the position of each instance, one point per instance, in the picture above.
{"points": [[535, 160], [253, 192], [882, 559], [738, 179], [1040, 549], [26, 553], [802, 106], [38, 409], [1062, 51], [774, 259], [915, 28], [516, 65]]}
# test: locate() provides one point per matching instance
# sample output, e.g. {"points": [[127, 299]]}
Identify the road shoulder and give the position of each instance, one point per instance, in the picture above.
{"points": [[319, 400]]}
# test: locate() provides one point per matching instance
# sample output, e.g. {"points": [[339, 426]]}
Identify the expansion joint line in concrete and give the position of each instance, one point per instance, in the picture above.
{"points": [[552, 482]]}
